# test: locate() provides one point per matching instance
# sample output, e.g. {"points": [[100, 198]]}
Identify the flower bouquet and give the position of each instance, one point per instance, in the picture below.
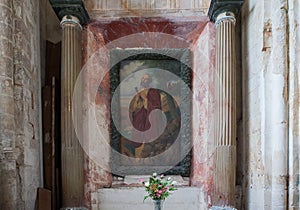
{"points": [[158, 188]]}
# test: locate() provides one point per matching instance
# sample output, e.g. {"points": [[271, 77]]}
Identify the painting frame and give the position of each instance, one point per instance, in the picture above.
{"points": [[183, 58]]}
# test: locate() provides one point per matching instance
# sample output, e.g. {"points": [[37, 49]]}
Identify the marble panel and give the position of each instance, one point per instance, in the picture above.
{"points": [[103, 35]]}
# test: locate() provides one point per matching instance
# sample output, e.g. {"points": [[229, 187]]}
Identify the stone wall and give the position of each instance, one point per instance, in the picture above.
{"points": [[20, 104], [270, 43]]}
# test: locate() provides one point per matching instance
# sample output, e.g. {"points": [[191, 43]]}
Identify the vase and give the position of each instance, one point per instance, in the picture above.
{"points": [[158, 204]]}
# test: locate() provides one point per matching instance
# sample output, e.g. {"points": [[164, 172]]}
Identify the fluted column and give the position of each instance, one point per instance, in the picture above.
{"points": [[72, 15], [71, 151], [225, 118], [224, 16]]}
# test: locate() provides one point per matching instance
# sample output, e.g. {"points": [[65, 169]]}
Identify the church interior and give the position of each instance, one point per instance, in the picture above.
{"points": [[97, 95]]}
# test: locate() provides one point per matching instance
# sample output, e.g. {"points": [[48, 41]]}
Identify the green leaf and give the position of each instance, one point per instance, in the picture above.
{"points": [[145, 197]]}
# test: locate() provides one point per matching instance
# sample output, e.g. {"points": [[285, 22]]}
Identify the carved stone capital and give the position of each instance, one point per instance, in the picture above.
{"points": [[70, 19], [75, 8], [225, 16], [218, 7]]}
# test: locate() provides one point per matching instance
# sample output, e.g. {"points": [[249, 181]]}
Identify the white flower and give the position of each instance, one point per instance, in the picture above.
{"points": [[147, 184], [169, 178], [174, 183], [154, 174]]}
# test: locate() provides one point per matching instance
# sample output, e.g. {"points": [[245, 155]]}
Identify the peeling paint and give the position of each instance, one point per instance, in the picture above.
{"points": [[267, 36]]}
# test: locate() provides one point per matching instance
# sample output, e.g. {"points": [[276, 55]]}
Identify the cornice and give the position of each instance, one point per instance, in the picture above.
{"points": [[218, 7], [70, 7]]}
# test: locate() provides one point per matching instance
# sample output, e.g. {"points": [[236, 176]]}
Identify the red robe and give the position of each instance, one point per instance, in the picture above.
{"points": [[140, 117]]}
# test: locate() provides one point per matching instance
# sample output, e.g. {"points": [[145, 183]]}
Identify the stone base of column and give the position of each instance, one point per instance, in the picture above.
{"points": [[224, 176], [221, 208], [73, 208]]}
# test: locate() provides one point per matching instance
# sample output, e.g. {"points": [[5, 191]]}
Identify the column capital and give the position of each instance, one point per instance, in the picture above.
{"points": [[225, 16], [218, 7], [75, 8], [70, 19]]}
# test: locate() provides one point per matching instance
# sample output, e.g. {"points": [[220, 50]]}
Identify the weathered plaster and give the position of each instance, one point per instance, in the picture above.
{"points": [[203, 109], [269, 111], [294, 104]]}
